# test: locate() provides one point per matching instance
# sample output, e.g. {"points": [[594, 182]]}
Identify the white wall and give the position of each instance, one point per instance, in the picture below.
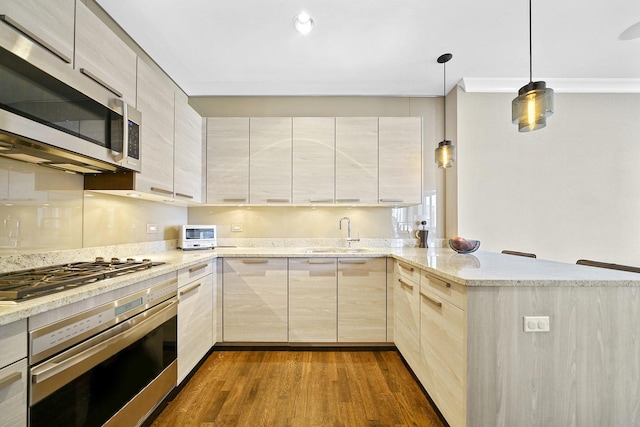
{"points": [[565, 192]]}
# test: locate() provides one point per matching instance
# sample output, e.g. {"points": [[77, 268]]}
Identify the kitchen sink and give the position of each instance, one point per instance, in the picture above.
{"points": [[333, 250]]}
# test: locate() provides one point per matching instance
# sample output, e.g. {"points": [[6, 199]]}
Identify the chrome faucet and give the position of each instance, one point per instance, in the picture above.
{"points": [[349, 238]]}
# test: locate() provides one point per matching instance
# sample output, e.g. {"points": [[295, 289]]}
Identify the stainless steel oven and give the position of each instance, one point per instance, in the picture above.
{"points": [[109, 365]]}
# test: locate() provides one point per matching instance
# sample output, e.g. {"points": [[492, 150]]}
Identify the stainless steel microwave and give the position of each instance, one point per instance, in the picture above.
{"points": [[44, 120], [197, 237]]}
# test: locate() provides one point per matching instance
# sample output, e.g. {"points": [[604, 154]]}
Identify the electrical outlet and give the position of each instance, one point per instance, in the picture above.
{"points": [[236, 227], [536, 324], [152, 228]]}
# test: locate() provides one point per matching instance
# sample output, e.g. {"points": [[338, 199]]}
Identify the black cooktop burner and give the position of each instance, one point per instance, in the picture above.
{"points": [[35, 282]]}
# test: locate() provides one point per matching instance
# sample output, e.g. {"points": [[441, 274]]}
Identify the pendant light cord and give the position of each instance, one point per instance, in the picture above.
{"points": [[444, 98], [530, 47]]}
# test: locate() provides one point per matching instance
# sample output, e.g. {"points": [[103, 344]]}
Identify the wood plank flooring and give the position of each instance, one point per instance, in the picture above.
{"points": [[300, 389]]}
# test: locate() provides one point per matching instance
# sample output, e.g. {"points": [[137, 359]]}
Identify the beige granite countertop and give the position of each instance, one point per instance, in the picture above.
{"points": [[478, 269]]}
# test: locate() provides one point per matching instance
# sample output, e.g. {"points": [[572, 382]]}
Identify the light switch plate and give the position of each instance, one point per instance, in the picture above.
{"points": [[236, 227], [152, 228], [536, 324]]}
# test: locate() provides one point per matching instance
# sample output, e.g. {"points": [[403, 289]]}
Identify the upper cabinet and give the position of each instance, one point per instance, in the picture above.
{"points": [[49, 23], [228, 160], [103, 57], [400, 164], [313, 159], [187, 172], [357, 160], [310, 160], [270, 160], [156, 104]]}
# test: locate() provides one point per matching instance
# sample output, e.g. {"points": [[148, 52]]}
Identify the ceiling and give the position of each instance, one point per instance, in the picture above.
{"points": [[385, 47]]}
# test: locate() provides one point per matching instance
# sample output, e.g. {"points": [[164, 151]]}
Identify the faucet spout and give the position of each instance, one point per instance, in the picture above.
{"points": [[349, 238]]}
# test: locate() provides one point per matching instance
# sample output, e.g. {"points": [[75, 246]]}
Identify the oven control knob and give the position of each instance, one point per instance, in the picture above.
{"points": [[99, 259]]}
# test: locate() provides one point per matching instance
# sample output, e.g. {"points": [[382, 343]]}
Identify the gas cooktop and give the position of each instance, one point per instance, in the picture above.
{"points": [[18, 286]]}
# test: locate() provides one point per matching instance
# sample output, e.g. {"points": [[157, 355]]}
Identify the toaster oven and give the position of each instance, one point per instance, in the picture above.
{"points": [[197, 237]]}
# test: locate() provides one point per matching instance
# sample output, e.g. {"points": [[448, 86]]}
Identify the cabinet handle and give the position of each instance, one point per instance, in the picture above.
{"points": [[255, 261], [238, 200], [10, 379], [405, 284], [321, 201], [161, 190], [438, 281], [392, 200], [186, 196], [277, 200], [319, 261], [101, 82], [348, 200], [352, 261], [433, 301], [196, 268], [190, 289], [405, 266], [38, 40]]}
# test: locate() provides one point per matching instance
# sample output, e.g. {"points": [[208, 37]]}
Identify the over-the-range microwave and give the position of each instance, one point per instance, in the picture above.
{"points": [[46, 121], [197, 237]]}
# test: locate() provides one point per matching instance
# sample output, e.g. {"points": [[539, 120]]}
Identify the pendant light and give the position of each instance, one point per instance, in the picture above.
{"points": [[446, 151], [534, 102]]}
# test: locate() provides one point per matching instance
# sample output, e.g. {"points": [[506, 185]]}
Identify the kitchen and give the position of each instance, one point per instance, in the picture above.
{"points": [[504, 205]]}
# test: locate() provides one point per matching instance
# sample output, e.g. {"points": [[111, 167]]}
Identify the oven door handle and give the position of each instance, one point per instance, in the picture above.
{"points": [[71, 364]]}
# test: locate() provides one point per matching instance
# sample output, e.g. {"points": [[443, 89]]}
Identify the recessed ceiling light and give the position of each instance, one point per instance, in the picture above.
{"points": [[303, 23]]}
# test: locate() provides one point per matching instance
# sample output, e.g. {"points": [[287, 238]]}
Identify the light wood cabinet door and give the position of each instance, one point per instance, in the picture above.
{"points": [[187, 173], [270, 160], [103, 57], [255, 300], [407, 317], [313, 159], [49, 23], [195, 323], [442, 349], [13, 394], [227, 160], [362, 300], [156, 104], [356, 160], [400, 167], [313, 300]]}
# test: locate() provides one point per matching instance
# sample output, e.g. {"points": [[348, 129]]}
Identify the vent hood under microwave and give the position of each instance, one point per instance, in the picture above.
{"points": [[46, 121]]}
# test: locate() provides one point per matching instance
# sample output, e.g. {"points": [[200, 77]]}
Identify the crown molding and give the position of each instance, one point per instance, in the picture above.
{"points": [[561, 85]]}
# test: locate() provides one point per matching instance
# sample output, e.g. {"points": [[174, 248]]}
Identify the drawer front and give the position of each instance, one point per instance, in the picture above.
{"points": [[195, 272], [451, 292], [13, 342], [443, 355], [408, 271], [13, 394]]}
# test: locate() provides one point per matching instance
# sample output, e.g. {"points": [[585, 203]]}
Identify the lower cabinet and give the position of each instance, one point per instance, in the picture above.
{"points": [[406, 294], [254, 300], [430, 332], [13, 394], [362, 300], [13, 374], [442, 352], [313, 300], [195, 315], [304, 300]]}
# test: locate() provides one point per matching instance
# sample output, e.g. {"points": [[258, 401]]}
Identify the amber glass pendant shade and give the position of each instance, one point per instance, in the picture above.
{"points": [[532, 106], [445, 154]]}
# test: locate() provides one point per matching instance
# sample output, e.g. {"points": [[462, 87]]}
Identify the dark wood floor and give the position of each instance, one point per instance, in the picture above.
{"points": [[300, 388]]}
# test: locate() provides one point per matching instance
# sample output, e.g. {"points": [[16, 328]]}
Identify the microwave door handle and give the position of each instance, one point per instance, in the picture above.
{"points": [[125, 133]]}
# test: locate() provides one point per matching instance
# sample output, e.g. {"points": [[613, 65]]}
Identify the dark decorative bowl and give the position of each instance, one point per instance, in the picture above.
{"points": [[464, 246]]}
